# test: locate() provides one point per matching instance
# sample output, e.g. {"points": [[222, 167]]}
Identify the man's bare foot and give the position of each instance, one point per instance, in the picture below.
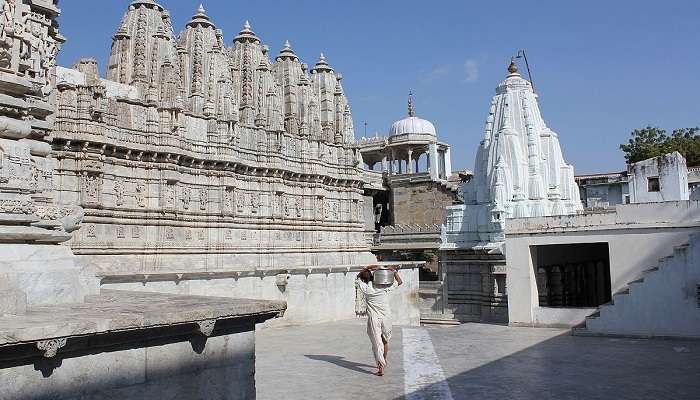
{"points": [[380, 372]]}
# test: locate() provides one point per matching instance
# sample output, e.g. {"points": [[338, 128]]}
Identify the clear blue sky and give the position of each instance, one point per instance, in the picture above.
{"points": [[602, 68]]}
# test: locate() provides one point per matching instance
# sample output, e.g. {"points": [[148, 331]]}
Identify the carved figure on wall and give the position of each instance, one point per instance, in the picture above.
{"points": [[119, 191], [91, 188], [141, 194], [240, 203], [203, 198], [228, 204], [254, 203], [186, 197]]}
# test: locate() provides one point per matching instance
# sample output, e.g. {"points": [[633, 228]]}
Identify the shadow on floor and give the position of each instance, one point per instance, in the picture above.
{"points": [[566, 367], [342, 362]]}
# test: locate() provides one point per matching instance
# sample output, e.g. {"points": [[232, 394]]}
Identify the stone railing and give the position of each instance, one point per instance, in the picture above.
{"points": [[410, 229], [374, 179], [372, 140]]}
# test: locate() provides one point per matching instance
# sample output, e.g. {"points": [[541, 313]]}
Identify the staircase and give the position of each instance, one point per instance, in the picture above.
{"points": [[664, 302], [432, 305]]}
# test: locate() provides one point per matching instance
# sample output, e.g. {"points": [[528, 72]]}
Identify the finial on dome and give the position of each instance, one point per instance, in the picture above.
{"points": [[287, 52], [322, 65], [246, 34], [201, 9], [411, 109], [513, 68]]}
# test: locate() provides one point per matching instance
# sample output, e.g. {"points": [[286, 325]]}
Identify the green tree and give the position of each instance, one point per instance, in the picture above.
{"points": [[653, 142]]}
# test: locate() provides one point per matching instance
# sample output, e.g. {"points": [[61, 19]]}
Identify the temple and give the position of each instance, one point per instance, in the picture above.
{"points": [[201, 166], [519, 171]]}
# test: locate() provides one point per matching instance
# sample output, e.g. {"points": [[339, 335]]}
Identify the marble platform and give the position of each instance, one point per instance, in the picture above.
{"points": [[122, 344]]}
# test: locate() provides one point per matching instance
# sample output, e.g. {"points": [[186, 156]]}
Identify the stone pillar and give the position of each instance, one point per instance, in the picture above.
{"points": [[448, 164], [384, 166], [409, 163], [433, 161]]}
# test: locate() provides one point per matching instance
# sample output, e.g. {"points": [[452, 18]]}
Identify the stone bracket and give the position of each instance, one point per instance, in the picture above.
{"points": [[206, 327], [49, 348]]}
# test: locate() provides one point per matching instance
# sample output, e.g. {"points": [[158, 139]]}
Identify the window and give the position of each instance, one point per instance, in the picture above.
{"points": [[653, 184], [627, 199]]}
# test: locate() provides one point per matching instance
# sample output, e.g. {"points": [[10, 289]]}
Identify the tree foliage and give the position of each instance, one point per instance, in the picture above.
{"points": [[652, 142]]}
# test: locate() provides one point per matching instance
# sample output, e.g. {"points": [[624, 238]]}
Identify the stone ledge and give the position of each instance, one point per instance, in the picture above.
{"points": [[167, 276], [119, 311]]}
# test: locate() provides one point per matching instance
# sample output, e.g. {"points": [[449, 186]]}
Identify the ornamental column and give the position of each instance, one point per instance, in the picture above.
{"points": [[409, 164]]}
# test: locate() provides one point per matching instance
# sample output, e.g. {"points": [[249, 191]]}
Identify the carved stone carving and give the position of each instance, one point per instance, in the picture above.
{"points": [[92, 189], [49, 348], [206, 327], [177, 114], [141, 194], [119, 191], [203, 198], [186, 197]]}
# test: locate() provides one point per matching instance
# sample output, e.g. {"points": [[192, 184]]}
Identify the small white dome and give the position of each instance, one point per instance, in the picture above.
{"points": [[412, 125]]}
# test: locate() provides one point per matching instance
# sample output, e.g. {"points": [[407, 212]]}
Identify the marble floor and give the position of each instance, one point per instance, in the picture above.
{"points": [[472, 361]]}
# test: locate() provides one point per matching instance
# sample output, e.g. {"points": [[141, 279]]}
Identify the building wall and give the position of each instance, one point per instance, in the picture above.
{"points": [[665, 303], [223, 369], [421, 203], [638, 235], [672, 172], [313, 297], [474, 285]]}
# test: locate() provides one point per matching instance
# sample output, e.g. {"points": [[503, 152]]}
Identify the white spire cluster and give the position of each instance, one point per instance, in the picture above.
{"points": [[519, 170]]}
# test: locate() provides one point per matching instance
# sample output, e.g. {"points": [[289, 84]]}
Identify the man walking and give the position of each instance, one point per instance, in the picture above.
{"points": [[378, 313]]}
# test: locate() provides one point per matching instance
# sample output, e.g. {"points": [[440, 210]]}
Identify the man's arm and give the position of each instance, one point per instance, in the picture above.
{"points": [[399, 281]]}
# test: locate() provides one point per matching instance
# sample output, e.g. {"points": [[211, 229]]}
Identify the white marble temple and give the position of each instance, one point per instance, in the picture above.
{"points": [[519, 171]]}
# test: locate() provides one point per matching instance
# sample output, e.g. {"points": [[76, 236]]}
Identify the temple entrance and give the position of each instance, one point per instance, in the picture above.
{"points": [[572, 275]]}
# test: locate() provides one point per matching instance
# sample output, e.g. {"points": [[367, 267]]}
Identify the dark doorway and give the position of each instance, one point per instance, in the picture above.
{"points": [[382, 211], [572, 275]]}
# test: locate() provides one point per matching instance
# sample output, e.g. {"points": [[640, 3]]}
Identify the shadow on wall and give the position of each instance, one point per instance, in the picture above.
{"points": [[572, 368], [116, 366], [695, 194], [653, 250]]}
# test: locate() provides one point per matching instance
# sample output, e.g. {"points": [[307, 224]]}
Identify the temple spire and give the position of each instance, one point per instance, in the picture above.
{"points": [[411, 109]]}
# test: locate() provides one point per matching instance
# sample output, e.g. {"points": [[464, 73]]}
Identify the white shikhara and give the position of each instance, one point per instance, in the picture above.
{"points": [[519, 171]]}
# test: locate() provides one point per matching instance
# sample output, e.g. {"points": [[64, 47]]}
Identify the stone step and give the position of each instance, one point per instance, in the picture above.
{"points": [[650, 270], [438, 321]]}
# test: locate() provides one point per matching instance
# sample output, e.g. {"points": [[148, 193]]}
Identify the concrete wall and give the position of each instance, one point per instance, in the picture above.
{"points": [[637, 236], [313, 298], [224, 369]]}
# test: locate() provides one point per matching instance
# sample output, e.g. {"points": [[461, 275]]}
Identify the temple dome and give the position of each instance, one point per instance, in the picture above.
{"points": [[412, 124]]}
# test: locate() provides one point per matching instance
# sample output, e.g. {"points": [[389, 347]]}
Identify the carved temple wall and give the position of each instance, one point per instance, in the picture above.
{"points": [[195, 156]]}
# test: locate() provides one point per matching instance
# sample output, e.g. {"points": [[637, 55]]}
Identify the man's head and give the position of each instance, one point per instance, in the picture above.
{"points": [[365, 276]]}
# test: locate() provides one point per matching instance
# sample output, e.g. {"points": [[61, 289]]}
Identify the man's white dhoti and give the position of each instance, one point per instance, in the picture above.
{"points": [[378, 328], [378, 316]]}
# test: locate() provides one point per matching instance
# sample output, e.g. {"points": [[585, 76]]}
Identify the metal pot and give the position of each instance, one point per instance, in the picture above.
{"points": [[383, 276]]}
